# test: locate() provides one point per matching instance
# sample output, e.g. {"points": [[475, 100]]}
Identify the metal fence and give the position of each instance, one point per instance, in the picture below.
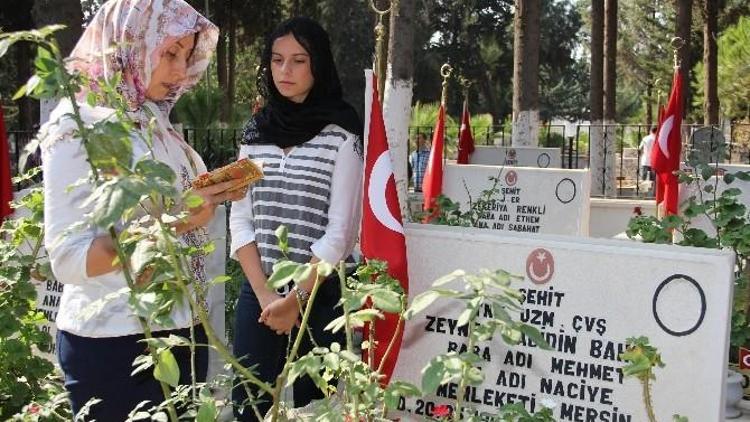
{"points": [[219, 146]]}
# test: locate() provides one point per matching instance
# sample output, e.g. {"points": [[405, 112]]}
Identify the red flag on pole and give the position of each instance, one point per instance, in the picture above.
{"points": [[6, 186], [432, 185], [665, 155], [382, 235], [465, 138]]}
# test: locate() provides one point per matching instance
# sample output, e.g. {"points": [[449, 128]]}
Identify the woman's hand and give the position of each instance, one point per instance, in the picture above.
{"points": [[212, 196], [281, 315], [266, 298]]}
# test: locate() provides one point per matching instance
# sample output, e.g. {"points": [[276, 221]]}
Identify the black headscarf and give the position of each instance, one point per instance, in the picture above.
{"points": [[285, 123]]}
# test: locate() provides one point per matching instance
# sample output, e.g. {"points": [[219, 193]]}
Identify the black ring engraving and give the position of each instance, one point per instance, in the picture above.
{"points": [[656, 298], [543, 160], [557, 190]]}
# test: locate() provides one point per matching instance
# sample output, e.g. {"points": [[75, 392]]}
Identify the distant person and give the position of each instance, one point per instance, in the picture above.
{"points": [[647, 173], [418, 161]]}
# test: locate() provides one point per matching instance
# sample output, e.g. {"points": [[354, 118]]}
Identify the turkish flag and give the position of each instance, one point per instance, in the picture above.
{"points": [[665, 155], [382, 235], [6, 186], [432, 185], [465, 138]]}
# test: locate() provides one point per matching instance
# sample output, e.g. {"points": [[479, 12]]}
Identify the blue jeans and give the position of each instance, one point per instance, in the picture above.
{"points": [[101, 367], [257, 345]]}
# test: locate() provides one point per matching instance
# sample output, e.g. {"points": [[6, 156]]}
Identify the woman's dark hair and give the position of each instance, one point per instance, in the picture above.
{"points": [[314, 39], [285, 123]]}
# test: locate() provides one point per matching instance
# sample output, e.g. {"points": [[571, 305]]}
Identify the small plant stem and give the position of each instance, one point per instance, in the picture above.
{"points": [[647, 399], [392, 342], [213, 339], [293, 354], [144, 324], [348, 331], [462, 383]]}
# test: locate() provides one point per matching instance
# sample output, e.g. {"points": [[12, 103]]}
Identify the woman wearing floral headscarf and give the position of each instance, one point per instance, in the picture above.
{"points": [[160, 48]]}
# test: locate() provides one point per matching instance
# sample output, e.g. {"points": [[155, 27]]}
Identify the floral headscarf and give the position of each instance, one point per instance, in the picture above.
{"points": [[129, 36]]}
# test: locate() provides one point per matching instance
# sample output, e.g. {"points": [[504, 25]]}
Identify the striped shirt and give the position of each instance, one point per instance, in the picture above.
{"points": [[314, 190]]}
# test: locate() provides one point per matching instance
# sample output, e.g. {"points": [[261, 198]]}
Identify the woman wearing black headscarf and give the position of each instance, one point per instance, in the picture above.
{"points": [[309, 142]]}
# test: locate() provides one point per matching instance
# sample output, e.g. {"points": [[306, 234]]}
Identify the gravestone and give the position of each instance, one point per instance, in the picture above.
{"points": [[551, 201], [586, 296], [707, 145], [718, 185], [517, 156]]}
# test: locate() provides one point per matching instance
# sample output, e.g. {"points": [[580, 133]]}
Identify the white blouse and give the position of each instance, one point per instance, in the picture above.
{"points": [[96, 306], [315, 189]]}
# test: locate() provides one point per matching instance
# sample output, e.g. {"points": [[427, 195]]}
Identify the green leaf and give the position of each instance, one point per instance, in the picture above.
{"points": [[113, 198], [386, 300], [535, 335], [282, 234], [20, 93], [220, 279], [448, 278], [432, 375], [166, 369], [32, 84], [421, 302], [469, 312], [398, 389], [206, 412], [109, 145], [283, 271], [303, 272], [336, 325], [192, 200], [5, 44]]}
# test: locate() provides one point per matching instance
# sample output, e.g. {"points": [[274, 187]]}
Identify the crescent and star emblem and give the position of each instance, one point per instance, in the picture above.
{"points": [[540, 266], [666, 127], [381, 175], [511, 178]]}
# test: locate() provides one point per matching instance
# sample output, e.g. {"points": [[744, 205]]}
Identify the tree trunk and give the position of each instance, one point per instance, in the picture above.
{"points": [[710, 64], [221, 56], [610, 96], [596, 98], [66, 12], [231, 71], [683, 22], [610, 61], [649, 106], [398, 93], [526, 73]]}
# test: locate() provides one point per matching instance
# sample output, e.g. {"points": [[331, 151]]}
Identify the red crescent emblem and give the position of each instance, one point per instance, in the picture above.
{"points": [[511, 178], [540, 266]]}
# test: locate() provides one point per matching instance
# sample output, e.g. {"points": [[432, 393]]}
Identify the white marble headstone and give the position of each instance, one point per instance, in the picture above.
{"points": [[551, 201], [687, 190], [587, 296], [517, 156]]}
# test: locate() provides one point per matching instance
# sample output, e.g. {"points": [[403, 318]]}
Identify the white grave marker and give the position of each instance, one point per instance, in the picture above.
{"points": [[687, 190], [517, 156], [587, 296], [550, 201]]}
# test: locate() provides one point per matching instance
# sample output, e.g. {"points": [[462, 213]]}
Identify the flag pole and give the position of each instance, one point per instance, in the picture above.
{"points": [[381, 53], [465, 85], [445, 72], [677, 43]]}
